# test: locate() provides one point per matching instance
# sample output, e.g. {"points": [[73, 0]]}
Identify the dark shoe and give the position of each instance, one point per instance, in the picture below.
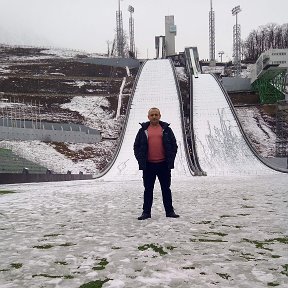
{"points": [[144, 216], [172, 215]]}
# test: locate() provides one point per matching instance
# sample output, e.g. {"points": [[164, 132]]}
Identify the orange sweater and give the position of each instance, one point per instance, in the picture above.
{"points": [[156, 153]]}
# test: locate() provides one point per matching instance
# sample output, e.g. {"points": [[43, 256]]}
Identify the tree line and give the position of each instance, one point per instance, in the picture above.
{"points": [[270, 36]]}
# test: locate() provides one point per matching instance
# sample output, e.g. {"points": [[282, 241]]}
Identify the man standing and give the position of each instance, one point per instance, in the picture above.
{"points": [[155, 149]]}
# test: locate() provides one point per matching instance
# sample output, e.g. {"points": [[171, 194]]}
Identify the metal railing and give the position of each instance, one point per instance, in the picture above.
{"points": [[192, 69]]}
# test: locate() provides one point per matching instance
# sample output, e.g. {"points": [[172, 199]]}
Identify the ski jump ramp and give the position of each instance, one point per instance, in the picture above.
{"points": [[156, 87], [220, 146]]}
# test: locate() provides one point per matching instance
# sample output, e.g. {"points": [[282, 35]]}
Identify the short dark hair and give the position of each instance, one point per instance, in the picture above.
{"points": [[153, 108]]}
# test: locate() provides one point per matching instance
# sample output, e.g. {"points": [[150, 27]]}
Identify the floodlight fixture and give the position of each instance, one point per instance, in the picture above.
{"points": [[236, 10], [131, 9]]}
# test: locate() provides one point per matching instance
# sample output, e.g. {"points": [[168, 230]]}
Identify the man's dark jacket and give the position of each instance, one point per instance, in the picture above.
{"points": [[141, 145]]}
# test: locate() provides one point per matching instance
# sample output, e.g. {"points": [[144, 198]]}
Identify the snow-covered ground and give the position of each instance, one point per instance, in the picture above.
{"points": [[233, 232], [91, 108], [257, 130], [95, 110]]}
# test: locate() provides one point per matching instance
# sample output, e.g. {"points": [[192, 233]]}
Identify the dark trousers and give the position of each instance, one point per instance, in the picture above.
{"points": [[163, 173]]}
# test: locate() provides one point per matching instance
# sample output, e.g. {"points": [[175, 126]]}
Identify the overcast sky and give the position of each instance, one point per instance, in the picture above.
{"points": [[88, 24]]}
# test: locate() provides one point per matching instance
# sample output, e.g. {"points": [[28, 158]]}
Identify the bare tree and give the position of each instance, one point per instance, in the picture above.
{"points": [[264, 38]]}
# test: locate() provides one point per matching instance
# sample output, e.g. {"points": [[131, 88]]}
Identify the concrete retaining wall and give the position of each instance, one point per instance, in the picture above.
{"points": [[233, 84], [11, 178]]}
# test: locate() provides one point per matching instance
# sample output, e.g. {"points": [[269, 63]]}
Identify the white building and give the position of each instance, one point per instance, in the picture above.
{"points": [[270, 63]]}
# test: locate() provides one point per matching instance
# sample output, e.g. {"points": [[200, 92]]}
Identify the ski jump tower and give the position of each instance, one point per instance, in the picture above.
{"points": [[170, 33], [212, 35]]}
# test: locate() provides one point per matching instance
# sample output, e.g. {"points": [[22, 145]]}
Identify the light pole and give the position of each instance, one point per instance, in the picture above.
{"points": [[220, 53], [211, 33], [120, 33], [131, 30], [237, 41]]}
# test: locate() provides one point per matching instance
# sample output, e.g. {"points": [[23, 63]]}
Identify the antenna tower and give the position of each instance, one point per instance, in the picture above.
{"points": [[237, 42], [211, 33], [120, 33], [131, 30]]}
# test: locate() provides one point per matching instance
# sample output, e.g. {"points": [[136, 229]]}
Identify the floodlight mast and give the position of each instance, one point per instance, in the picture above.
{"points": [[237, 41], [211, 33], [120, 33], [131, 30]]}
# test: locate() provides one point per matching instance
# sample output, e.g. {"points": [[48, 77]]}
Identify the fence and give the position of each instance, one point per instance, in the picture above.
{"points": [[48, 132]]}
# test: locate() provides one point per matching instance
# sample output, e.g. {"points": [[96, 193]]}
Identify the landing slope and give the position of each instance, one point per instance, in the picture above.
{"points": [[221, 148], [156, 87]]}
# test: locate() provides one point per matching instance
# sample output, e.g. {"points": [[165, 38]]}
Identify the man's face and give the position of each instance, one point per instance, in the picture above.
{"points": [[154, 116]]}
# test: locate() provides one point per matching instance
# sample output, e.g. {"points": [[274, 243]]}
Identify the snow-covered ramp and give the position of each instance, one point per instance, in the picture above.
{"points": [[156, 87], [221, 147]]}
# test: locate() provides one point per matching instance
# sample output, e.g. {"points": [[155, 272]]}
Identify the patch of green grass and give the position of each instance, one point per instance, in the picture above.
{"points": [[207, 240], [283, 240], [224, 275], [272, 284], [217, 233], [101, 265], [247, 256], [16, 265], [227, 216], [95, 284], [131, 276], [154, 247], [285, 271], [53, 276], [4, 270], [204, 222], [115, 247], [260, 244], [171, 247], [67, 244], [46, 246], [68, 276], [61, 262], [4, 192], [188, 267], [243, 214], [51, 235], [275, 256], [247, 206]]}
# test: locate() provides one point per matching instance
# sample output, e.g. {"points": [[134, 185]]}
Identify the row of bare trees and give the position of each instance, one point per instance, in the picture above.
{"points": [[264, 38]]}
